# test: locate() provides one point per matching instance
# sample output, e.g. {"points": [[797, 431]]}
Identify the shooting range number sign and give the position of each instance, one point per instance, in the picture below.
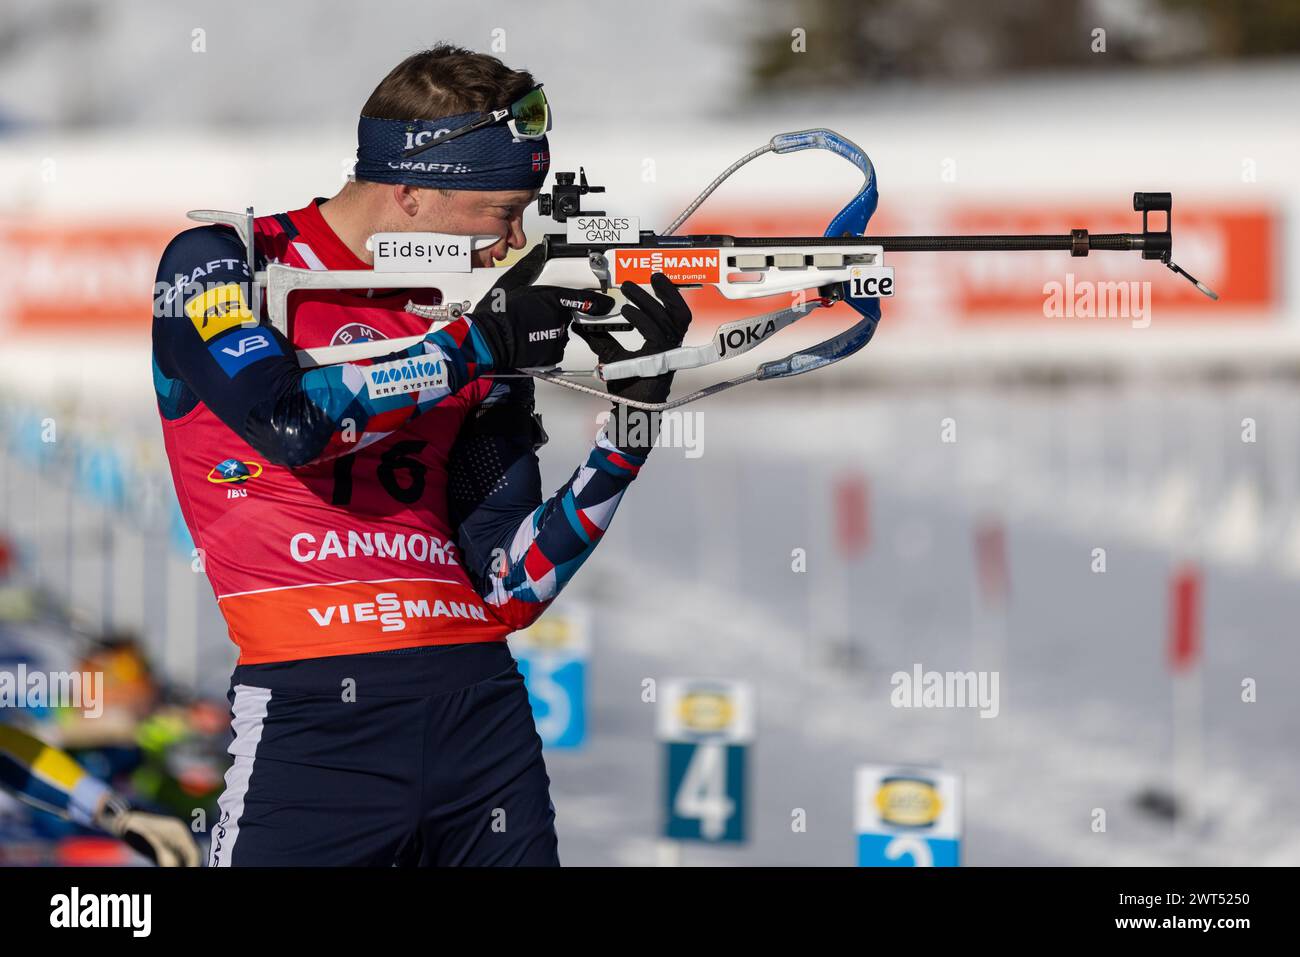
{"points": [[706, 727], [553, 654], [907, 817]]}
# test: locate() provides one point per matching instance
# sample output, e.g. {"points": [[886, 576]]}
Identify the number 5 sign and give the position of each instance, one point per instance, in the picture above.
{"points": [[706, 727], [553, 654]]}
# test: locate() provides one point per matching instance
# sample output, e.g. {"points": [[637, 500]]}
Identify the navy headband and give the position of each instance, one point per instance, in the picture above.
{"points": [[489, 158]]}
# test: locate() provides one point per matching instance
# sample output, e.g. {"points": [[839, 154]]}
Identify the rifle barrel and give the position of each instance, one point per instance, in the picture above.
{"points": [[939, 244]]}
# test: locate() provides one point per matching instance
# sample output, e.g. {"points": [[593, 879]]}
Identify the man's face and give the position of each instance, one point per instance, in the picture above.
{"points": [[497, 213]]}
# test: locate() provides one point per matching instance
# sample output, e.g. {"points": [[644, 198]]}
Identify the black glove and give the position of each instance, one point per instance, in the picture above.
{"points": [[527, 326], [663, 325]]}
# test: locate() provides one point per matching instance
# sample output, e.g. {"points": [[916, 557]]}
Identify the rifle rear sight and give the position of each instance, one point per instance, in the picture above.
{"points": [[565, 199]]}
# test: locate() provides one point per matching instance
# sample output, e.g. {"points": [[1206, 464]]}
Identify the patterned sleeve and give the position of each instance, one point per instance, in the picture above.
{"points": [[519, 550], [208, 348]]}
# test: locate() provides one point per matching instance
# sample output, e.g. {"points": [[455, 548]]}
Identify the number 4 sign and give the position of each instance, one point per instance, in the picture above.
{"points": [[706, 727]]}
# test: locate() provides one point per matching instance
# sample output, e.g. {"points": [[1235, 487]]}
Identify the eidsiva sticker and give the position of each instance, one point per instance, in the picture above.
{"points": [[421, 252], [218, 309], [683, 266]]}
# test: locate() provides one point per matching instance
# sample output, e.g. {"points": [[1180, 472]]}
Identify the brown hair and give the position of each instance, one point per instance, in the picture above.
{"points": [[444, 81]]}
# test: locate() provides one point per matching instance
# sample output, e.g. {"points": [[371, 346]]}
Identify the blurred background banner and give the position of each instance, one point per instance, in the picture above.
{"points": [[1012, 480]]}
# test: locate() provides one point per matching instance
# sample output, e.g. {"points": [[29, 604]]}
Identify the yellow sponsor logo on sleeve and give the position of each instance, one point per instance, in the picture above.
{"points": [[218, 309]]}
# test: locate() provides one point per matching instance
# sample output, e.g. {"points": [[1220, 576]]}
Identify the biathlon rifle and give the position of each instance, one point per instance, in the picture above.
{"points": [[601, 252]]}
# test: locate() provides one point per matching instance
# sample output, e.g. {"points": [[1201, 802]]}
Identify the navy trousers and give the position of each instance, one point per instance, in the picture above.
{"points": [[421, 757]]}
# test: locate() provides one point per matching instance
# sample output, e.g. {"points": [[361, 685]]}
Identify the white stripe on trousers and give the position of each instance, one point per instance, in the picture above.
{"points": [[249, 714]]}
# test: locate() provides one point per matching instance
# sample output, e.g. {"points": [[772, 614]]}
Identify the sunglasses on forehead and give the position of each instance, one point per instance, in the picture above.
{"points": [[528, 117]]}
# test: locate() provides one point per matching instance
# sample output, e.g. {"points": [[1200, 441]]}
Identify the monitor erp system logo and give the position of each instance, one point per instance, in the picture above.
{"points": [[413, 374]]}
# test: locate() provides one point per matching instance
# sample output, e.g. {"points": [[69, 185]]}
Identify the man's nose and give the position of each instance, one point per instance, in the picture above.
{"points": [[514, 238]]}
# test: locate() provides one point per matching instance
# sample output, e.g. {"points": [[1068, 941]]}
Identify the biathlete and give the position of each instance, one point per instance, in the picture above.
{"points": [[370, 549]]}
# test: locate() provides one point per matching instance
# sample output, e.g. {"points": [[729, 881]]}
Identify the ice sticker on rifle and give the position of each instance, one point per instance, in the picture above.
{"points": [[868, 281], [682, 266], [405, 375], [420, 252], [603, 229]]}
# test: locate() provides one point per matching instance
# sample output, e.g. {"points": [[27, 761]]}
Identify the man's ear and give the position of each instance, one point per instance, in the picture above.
{"points": [[407, 198]]}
